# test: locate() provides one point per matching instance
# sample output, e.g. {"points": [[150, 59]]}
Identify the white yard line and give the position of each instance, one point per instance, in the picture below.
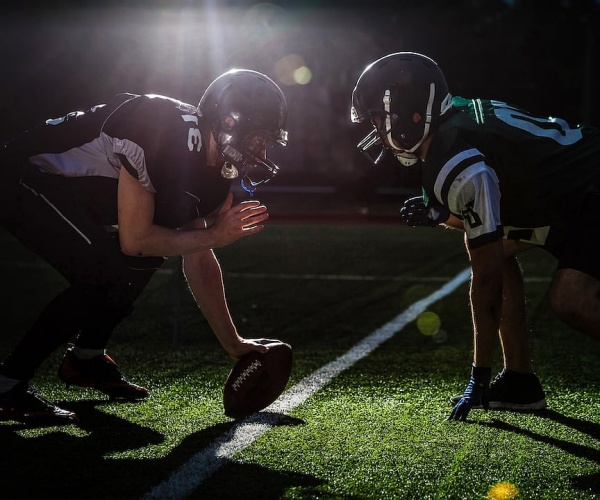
{"points": [[191, 474], [335, 277], [309, 276], [360, 277]]}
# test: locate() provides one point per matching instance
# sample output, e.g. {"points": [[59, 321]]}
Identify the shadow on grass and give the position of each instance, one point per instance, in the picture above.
{"points": [[591, 482], [592, 429], [60, 459], [253, 481], [99, 458], [194, 462], [99, 425], [271, 418]]}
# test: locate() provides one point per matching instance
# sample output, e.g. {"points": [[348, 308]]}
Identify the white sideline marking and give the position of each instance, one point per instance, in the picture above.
{"points": [[183, 482]]}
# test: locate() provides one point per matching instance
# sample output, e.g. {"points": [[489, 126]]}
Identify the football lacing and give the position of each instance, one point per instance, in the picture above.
{"points": [[245, 374]]}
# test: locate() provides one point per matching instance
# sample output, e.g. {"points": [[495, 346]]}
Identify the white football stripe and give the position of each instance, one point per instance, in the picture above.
{"points": [[190, 475]]}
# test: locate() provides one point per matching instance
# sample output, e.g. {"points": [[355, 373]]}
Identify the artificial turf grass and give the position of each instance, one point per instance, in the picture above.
{"points": [[545, 455], [378, 431]]}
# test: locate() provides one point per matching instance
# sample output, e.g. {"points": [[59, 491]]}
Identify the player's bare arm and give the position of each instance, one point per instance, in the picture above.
{"points": [[486, 298], [513, 325], [454, 222], [204, 277], [139, 236]]}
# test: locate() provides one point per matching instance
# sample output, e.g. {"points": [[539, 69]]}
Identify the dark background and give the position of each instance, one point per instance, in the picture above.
{"points": [[64, 56]]}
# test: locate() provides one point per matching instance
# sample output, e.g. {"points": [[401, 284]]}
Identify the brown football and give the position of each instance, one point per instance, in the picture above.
{"points": [[257, 379]]}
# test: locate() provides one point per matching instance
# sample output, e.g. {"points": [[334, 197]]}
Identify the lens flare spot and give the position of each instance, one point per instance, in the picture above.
{"points": [[440, 337], [302, 75], [291, 70], [429, 323], [503, 491]]}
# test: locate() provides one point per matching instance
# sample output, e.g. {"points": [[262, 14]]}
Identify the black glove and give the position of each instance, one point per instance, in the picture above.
{"points": [[475, 394], [415, 213]]}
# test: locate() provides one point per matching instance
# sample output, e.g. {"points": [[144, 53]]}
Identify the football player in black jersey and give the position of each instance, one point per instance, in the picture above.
{"points": [[106, 195], [512, 181]]}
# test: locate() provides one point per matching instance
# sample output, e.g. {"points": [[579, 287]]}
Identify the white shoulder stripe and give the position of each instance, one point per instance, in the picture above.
{"points": [[449, 166], [137, 157]]}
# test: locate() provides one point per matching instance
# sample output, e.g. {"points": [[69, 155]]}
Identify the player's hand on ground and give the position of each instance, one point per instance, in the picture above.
{"points": [[475, 394], [415, 213], [235, 222]]}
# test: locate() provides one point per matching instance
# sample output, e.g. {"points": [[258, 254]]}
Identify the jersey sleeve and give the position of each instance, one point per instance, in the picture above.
{"points": [[159, 142], [150, 136], [475, 196], [132, 133]]}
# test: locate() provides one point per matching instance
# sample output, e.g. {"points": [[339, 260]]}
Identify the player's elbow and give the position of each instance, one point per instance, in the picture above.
{"points": [[131, 246], [132, 251]]}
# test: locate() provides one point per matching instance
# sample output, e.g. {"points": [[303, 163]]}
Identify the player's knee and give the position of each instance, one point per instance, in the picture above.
{"points": [[571, 299], [564, 305]]}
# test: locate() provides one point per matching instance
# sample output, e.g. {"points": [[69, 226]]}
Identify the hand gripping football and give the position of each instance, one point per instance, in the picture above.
{"points": [[257, 379]]}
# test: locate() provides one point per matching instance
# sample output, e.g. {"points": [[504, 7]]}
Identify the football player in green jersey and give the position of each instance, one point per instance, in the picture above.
{"points": [[502, 175]]}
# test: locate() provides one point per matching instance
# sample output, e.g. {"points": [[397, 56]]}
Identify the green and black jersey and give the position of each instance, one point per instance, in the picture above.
{"points": [[507, 173]]}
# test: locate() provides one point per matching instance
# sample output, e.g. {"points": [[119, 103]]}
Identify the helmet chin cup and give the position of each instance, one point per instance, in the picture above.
{"points": [[248, 186], [407, 159]]}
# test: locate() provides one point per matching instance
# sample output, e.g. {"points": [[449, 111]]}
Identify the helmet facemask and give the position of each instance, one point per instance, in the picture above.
{"points": [[377, 143], [246, 153]]}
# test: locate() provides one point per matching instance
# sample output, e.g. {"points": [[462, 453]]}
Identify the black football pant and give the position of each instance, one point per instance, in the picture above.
{"points": [[48, 219]]}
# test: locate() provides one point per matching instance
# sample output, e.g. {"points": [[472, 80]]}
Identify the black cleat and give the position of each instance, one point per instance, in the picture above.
{"points": [[514, 391], [23, 404], [99, 372]]}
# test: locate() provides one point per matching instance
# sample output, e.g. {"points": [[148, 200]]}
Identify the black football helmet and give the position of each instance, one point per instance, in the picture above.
{"points": [[403, 95], [247, 112]]}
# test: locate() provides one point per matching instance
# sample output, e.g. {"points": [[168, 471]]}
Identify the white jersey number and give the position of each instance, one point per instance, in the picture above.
{"points": [[552, 128], [194, 139]]}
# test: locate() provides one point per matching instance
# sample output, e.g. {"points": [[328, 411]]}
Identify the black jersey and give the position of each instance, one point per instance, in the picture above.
{"points": [[509, 174], [156, 138]]}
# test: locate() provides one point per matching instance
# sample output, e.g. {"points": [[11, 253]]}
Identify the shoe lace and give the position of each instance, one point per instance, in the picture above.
{"points": [[499, 379]]}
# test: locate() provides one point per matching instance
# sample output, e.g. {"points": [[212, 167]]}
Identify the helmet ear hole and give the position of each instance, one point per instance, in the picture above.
{"points": [[228, 122]]}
